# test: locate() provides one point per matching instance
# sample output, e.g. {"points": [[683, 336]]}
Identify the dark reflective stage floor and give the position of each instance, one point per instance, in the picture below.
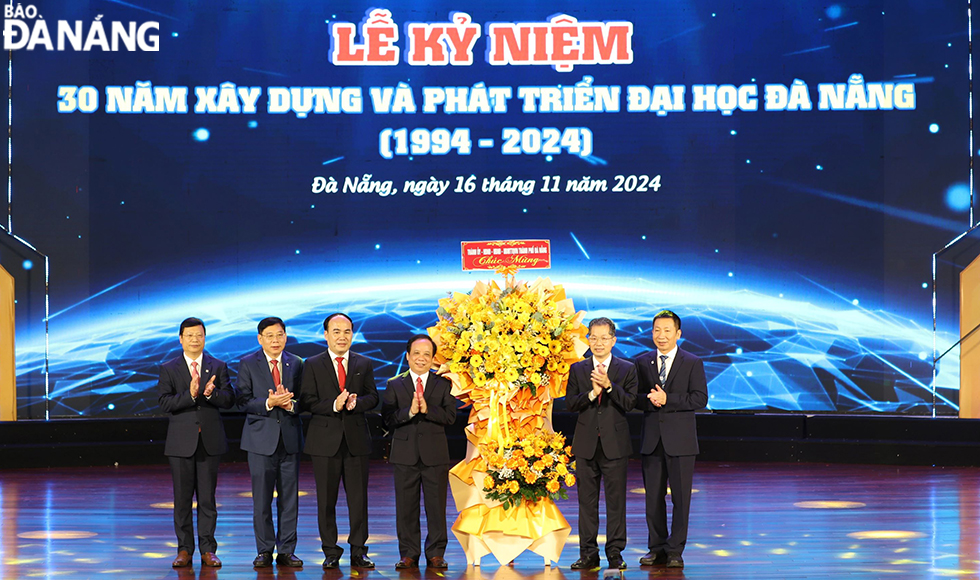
{"points": [[748, 521]]}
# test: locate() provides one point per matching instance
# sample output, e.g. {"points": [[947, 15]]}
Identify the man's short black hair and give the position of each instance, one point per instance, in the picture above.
{"points": [[326, 321], [415, 337], [603, 321], [271, 321], [191, 323], [668, 314]]}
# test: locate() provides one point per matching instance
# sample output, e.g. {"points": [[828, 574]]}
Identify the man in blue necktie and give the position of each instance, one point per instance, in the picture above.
{"points": [[672, 385]]}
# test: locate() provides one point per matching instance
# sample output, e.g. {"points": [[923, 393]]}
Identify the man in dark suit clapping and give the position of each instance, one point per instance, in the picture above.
{"points": [[601, 389], [418, 405], [273, 438], [192, 387], [338, 388], [672, 386]]}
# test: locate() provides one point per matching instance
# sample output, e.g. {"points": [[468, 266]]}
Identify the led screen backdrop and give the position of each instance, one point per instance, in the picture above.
{"points": [[779, 174]]}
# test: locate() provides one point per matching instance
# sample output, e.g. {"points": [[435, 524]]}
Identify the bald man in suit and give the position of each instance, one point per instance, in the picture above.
{"points": [[338, 389]]}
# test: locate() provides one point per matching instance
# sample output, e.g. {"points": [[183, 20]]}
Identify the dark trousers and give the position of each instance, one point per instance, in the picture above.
{"points": [[590, 473], [279, 473], [198, 475], [433, 483], [658, 469], [329, 471]]}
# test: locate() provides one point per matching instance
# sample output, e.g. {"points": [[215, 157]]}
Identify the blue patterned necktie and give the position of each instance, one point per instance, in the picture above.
{"points": [[663, 370]]}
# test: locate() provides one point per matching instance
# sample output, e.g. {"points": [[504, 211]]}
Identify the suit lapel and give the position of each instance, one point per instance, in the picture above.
{"points": [[331, 373], [182, 370], [286, 364], [674, 366]]}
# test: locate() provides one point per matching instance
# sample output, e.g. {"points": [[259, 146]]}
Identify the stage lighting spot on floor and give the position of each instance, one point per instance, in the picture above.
{"points": [[643, 491], [21, 561], [829, 505], [56, 535], [155, 555], [274, 494], [885, 535], [169, 505], [848, 555], [779, 551], [722, 553]]}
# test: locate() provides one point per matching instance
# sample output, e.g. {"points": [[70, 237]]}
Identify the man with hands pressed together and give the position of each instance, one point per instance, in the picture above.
{"points": [[601, 389], [195, 438], [338, 388], [417, 407], [273, 438], [672, 385]]}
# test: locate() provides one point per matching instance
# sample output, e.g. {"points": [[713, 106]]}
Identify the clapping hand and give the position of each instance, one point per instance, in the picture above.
{"points": [[351, 401], [341, 400], [280, 398], [209, 388]]}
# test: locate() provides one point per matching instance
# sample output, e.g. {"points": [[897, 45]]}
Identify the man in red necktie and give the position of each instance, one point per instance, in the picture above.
{"points": [[192, 387], [338, 388], [273, 437], [417, 407]]}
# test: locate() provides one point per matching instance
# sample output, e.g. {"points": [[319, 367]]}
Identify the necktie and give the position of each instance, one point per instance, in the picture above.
{"points": [[195, 375], [663, 370], [418, 386], [599, 398], [276, 377], [341, 373]]}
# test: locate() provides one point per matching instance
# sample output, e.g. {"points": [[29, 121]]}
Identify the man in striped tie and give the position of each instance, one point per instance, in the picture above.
{"points": [[672, 386]]}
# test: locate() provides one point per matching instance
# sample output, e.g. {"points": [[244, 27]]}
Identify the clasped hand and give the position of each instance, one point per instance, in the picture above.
{"points": [[419, 405], [657, 396], [280, 398]]}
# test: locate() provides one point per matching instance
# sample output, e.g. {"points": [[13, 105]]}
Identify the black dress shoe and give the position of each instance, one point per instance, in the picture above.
{"points": [[406, 564], [263, 560], [436, 562], [331, 562], [675, 561], [289, 560], [586, 563], [361, 562], [653, 559], [617, 563]]}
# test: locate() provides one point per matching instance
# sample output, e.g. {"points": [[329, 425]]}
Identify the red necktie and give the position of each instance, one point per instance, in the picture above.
{"points": [[599, 398], [195, 375], [276, 377], [418, 386], [341, 373]]}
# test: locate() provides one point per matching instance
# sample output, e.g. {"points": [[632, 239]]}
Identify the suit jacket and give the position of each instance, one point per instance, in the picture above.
{"points": [[190, 418], [687, 391], [263, 428], [319, 390], [424, 435], [603, 420]]}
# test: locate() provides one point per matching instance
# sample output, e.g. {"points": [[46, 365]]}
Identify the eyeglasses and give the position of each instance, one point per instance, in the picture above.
{"points": [[601, 339], [277, 336]]}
